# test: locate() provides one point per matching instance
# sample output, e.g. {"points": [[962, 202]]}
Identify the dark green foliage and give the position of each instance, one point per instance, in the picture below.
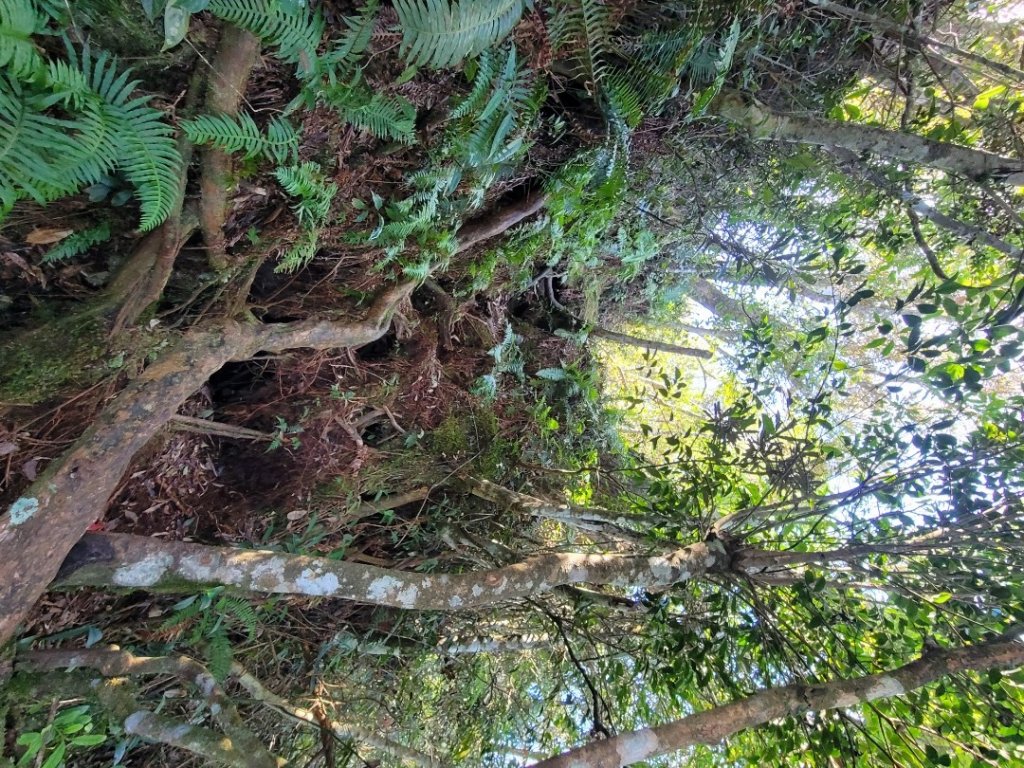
{"points": [[68, 123], [78, 243], [280, 143], [441, 33]]}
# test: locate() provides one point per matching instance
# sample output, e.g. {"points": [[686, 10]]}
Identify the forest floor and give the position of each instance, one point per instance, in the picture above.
{"points": [[287, 451]]}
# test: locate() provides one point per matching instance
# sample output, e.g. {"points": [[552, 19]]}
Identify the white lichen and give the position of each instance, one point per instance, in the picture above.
{"points": [[381, 587], [454, 601], [885, 686], [636, 746], [477, 590], [268, 575], [145, 573], [407, 597], [310, 582], [23, 509]]}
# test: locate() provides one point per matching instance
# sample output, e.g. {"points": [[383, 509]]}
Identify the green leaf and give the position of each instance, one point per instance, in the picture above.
{"points": [[176, 20]]}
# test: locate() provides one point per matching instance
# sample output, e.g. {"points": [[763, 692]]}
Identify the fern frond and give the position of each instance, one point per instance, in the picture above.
{"points": [[301, 252], [386, 117], [582, 30], [18, 22], [241, 134], [45, 157], [440, 33], [295, 31], [77, 243], [219, 654], [353, 43], [145, 147], [315, 195], [486, 70]]}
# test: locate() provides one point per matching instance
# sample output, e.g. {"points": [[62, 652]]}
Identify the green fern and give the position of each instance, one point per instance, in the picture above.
{"points": [[347, 49], [582, 30], [295, 31], [722, 66], [146, 150], [386, 117], [241, 134], [440, 33], [306, 182], [18, 22], [77, 243]]}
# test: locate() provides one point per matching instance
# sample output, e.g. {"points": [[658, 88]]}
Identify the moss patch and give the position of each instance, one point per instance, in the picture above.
{"points": [[35, 365]]}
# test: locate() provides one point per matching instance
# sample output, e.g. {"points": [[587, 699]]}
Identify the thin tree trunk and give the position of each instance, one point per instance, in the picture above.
{"points": [[649, 344], [42, 526], [969, 234], [712, 726], [229, 72], [765, 125], [122, 560]]}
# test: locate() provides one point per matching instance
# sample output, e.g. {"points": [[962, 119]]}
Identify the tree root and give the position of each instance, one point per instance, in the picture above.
{"points": [[42, 526]]}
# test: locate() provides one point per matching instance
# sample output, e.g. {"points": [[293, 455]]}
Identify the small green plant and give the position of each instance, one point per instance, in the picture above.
{"points": [[50, 746], [68, 123], [285, 433], [508, 358], [280, 143], [205, 620], [313, 196], [77, 243]]}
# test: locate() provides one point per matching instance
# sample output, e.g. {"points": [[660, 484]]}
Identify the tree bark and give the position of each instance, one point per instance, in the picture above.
{"points": [[765, 125], [236, 55], [42, 526], [122, 560], [712, 726], [649, 344], [477, 231], [114, 662]]}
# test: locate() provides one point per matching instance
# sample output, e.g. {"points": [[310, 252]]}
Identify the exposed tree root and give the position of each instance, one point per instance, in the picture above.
{"points": [[43, 525], [503, 219]]}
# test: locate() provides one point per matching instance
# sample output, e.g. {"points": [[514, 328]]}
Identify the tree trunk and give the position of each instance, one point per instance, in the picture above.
{"points": [[712, 726], [42, 526], [649, 344], [765, 125], [122, 560], [236, 55]]}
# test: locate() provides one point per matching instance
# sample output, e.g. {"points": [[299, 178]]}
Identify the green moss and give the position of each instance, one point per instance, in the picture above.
{"points": [[37, 364], [475, 435]]}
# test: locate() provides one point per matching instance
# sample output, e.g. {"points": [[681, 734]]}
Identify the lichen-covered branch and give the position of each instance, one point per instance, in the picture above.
{"points": [[113, 662], [344, 731], [713, 725], [763, 124], [122, 560], [42, 526]]}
